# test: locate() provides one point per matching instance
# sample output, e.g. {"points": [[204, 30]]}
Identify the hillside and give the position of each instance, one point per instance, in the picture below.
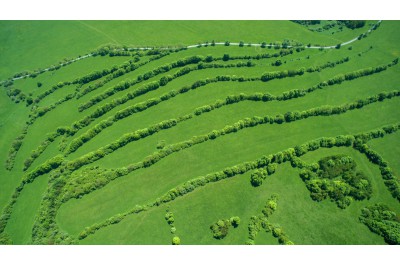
{"points": [[199, 132]]}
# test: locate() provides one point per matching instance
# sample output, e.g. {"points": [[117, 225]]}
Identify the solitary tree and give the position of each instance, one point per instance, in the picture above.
{"points": [[176, 240], [235, 221]]}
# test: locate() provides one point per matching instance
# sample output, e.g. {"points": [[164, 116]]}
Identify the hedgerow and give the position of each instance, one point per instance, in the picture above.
{"points": [[380, 219], [246, 123], [44, 234]]}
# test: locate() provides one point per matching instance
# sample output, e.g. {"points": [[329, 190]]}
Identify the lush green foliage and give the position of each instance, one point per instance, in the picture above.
{"points": [[220, 229], [383, 221], [338, 179], [148, 146]]}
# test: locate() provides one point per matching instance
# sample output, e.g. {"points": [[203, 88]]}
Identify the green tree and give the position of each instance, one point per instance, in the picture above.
{"points": [[176, 240], [235, 221]]}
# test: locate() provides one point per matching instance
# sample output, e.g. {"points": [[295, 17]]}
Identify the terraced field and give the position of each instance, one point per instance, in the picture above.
{"points": [[200, 140]]}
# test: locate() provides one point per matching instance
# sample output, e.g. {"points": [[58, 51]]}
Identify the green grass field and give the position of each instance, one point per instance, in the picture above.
{"points": [[120, 159]]}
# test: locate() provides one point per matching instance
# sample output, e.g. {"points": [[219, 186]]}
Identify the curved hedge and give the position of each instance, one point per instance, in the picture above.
{"points": [[199, 60], [42, 233], [76, 143], [167, 150]]}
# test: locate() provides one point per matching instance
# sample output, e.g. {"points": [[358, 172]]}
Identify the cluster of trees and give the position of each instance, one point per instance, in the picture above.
{"points": [[278, 232], [353, 24], [307, 22], [169, 217], [221, 227], [338, 179], [260, 174], [16, 95], [257, 223], [270, 206], [383, 221]]}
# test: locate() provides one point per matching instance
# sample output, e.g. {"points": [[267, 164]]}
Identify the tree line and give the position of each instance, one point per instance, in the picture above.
{"points": [[201, 61], [246, 123], [280, 157], [290, 116], [382, 220], [152, 102]]}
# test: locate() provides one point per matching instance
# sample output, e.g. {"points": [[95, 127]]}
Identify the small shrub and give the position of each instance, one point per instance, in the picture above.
{"points": [[176, 240]]}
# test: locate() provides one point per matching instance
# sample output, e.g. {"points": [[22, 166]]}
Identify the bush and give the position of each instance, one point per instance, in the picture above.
{"points": [[380, 219], [258, 176], [220, 229], [176, 240], [235, 221], [337, 179]]}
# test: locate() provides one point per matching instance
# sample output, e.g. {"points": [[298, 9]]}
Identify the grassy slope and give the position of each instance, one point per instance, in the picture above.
{"points": [[305, 221], [103, 203], [22, 219], [389, 151], [344, 127], [226, 151]]}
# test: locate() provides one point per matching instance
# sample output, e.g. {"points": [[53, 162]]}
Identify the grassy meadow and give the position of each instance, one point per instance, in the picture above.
{"points": [[91, 151]]}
